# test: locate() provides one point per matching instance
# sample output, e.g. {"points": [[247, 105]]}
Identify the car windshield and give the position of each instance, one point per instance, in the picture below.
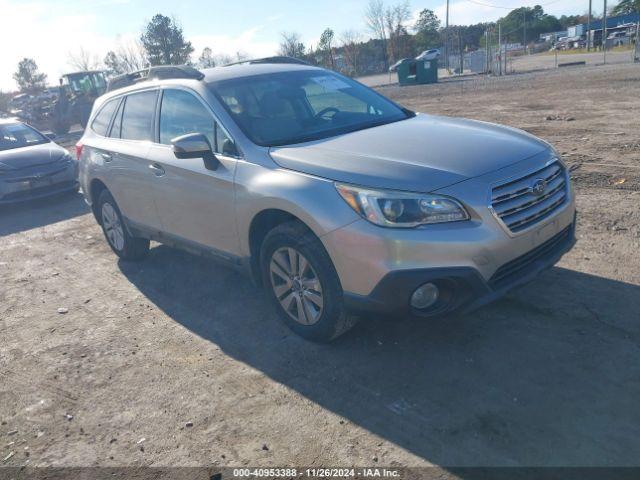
{"points": [[89, 82], [292, 107], [17, 135]]}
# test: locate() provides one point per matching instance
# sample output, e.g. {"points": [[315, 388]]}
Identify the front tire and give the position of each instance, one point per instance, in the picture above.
{"points": [[121, 242], [302, 283]]}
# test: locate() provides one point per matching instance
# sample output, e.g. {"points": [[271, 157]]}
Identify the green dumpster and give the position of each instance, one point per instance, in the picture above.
{"points": [[418, 72]]}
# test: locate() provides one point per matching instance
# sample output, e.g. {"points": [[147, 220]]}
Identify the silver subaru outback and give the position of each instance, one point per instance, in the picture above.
{"points": [[338, 201]]}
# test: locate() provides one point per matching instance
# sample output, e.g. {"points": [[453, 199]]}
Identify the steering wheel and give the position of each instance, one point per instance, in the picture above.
{"points": [[324, 111]]}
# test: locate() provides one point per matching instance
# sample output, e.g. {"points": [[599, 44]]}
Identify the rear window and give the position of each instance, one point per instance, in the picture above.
{"points": [[101, 122], [17, 135], [137, 118]]}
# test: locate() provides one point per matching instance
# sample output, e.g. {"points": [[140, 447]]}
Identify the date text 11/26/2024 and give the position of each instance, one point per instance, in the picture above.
{"points": [[373, 472]]}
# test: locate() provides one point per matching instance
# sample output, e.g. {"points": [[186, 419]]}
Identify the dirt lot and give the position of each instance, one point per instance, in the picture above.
{"points": [[547, 376]]}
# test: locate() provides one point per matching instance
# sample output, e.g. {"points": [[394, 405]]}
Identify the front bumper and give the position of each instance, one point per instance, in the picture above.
{"points": [[464, 288], [37, 193], [27, 187]]}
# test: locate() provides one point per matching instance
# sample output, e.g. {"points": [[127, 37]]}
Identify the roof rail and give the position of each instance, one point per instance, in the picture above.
{"points": [[276, 59], [161, 72]]}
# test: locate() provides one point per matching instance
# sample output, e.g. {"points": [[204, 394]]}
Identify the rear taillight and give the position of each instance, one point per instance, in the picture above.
{"points": [[79, 147]]}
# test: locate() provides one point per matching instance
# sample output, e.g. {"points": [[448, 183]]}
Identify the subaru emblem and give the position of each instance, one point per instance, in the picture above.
{"points": [[538, 187]]}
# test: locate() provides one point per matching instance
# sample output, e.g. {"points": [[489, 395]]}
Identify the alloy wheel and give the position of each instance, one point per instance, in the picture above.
{"points": [[296, 285], [112, 226]]}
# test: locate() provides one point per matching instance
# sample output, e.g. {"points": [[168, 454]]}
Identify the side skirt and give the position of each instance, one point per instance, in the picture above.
{"points": [[241, 264]]}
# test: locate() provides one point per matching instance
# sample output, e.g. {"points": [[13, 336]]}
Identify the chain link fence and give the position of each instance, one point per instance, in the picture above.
{"points": [[497, 57]]}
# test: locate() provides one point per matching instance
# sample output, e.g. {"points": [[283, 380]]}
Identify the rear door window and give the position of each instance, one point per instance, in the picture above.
{"points": [[18, 135], [100, 124], [137, 117]]}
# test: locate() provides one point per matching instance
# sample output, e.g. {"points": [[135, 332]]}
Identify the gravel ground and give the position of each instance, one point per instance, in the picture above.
{"points": [[178, 361]]}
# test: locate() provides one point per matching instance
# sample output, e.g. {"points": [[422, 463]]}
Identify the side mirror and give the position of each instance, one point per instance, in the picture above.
{"points": [[195, 145]]}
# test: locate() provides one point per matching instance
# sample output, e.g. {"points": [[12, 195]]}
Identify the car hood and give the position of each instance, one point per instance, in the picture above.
{"points": [[420, 154], [31, 156]]}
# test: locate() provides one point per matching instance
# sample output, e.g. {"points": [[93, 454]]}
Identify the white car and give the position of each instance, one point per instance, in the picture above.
{"points": [[432, 54]]}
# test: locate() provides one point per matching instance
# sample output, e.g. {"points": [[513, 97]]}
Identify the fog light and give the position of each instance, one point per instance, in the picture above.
{"points": [[425, 296]]}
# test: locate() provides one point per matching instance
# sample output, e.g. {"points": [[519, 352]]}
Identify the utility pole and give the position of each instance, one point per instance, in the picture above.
{"points": [[486, 48], [636, 51], [524, 26], [446, 39], [500, 47], [589, 28], [460, 50], [604, 32], [505, 57]]}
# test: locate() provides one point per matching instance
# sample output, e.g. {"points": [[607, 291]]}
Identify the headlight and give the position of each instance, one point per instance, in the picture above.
{"points": [[401, 209]]}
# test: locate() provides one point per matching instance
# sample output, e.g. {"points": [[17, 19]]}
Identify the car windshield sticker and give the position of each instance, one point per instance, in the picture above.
{"points": [[329, 82]]}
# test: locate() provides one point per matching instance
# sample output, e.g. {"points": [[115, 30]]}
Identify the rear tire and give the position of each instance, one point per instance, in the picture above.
{"points": [[302, 283], [121, 242]]}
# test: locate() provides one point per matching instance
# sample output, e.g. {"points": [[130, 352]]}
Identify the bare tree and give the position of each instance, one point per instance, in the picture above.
{"points": [[291, 45], [206, 59], [241, 56], [395, 19], [83, 60], [350, 41], [127, 57], [374, 17], [223, 59]]}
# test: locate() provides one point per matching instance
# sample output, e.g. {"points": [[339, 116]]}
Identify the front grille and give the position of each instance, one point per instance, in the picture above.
{"points": [[519, 207], [509, 271]]}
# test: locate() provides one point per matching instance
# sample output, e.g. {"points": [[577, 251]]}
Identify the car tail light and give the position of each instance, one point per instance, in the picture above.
{"points": [[79, 147]]}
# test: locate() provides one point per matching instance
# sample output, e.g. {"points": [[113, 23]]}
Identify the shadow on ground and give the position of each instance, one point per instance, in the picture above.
{"points": [[547, 376], [38, 213]]}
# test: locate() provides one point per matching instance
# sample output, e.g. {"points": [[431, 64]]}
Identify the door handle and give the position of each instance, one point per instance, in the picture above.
{"points": [[107, 157], [157, 170]]}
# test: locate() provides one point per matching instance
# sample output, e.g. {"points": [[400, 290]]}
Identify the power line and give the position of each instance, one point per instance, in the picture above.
{"points": [[508, 8]]}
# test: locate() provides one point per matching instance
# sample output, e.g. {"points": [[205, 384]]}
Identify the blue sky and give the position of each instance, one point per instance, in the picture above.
{"points": [[50, 30]]}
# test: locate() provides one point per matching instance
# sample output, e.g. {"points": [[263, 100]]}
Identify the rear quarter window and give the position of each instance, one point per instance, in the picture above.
{"points": [[100, 124], [117, 123]]}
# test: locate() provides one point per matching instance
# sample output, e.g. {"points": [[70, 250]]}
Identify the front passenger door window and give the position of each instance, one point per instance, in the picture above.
{"points": [[182, 113]]}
